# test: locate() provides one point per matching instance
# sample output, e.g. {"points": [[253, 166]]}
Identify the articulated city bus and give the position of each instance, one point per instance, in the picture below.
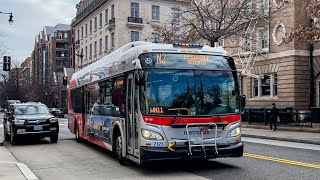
{"points": [[147, 102]]}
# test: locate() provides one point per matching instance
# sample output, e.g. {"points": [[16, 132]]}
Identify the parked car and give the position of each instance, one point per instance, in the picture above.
{"points": [[57, 112], [30, 119]]}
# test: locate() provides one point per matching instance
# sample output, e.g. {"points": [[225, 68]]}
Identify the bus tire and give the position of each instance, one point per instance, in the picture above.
{"points": [[117, 150], [78, 138]]}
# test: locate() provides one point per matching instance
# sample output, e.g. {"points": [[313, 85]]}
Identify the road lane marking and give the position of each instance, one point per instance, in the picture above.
{"points": [[285, 161]]}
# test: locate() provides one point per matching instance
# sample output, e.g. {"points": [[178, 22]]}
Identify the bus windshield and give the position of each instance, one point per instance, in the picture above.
{"points": [[189, 92]]}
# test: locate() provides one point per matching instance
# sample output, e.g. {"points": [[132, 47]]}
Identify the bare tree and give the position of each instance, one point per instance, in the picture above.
{"points": [[310, 30], [210, 21]]}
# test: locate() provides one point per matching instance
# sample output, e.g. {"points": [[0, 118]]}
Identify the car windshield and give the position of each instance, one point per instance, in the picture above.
{"points": [[189, 92], [31, 109]]}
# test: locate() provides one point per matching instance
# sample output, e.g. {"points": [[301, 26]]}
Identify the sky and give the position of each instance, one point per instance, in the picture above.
{"points": [[30, 16]]}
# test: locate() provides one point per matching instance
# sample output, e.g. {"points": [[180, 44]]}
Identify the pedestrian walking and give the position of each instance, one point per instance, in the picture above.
{"points": [[273, 117]]}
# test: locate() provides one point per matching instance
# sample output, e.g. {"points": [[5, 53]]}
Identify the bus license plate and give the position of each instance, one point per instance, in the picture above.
{"points": [[37, 128]]}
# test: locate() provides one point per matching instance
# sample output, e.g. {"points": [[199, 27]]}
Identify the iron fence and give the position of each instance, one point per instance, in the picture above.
{"points": [[288, 117]]}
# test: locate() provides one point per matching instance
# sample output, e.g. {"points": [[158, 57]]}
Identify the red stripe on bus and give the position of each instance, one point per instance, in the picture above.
{"points": [[97, 142], [166, 121]]}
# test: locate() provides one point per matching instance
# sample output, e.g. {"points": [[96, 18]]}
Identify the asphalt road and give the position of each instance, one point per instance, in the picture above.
{"points": [[71, 160]]}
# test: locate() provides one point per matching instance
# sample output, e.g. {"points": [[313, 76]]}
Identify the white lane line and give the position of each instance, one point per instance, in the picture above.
{"points": [[282, 143]]}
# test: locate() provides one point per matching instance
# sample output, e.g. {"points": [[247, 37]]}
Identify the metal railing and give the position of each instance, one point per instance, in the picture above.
{"points": [[135, 20], [112, 21], [288, 117]]}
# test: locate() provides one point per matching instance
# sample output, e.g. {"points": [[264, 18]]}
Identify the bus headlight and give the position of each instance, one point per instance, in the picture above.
{"points": [[234, 132], [53, 120], [18, 121], [150, 135]]}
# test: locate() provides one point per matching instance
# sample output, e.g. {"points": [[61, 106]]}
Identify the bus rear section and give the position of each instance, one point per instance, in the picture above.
{"points": [[189, 107]]}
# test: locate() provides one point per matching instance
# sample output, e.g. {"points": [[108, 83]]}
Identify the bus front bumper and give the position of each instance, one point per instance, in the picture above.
{"points": [[149, 154]]}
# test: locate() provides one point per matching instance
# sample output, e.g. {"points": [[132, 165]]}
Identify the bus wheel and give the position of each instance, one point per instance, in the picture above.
{"points": [[78, 139], [118, 151]]}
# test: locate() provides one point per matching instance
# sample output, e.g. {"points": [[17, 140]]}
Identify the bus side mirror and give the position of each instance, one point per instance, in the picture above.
{"points": [[139, 77], [243, 101]]}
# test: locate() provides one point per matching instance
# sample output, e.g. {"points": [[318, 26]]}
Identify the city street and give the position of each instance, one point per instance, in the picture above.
{"points": [[71, 160]]}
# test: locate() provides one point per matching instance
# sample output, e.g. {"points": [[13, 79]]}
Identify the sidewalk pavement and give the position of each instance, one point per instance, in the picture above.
{"points": [[282, 134], [10, 168]]}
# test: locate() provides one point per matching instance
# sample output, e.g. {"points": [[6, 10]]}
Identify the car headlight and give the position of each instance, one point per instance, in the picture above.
{"points": [[234, 133], [19, 121], [150, 135], [53, 120]]}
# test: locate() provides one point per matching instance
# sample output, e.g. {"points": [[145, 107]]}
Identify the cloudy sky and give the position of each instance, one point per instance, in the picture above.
{"points": [[29, 18]]}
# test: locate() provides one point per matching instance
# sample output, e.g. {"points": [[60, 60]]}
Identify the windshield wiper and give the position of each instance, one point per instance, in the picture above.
{"points": [[185, 101]]}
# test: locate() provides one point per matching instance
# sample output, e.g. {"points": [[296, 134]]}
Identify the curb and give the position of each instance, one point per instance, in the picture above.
{"points": [[291, 129], [27, 173], [282, 139]]}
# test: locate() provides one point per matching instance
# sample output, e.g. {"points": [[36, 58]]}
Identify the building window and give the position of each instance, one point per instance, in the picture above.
{"points": [[155, 37], [265, 7], [255, 88], [95, 23], [86, 30], [106, 43], [95, 47], [65, 35], [86, 52], [112, 11], [134, 9], [155, 13], [100, 19], [134, 36], [78, 34], [90, 27], [275, 85], [266, 86], [100, 46], [112, 40], [106, 16], [90, 51], [264, 38], [82, 32], [175, 15]]}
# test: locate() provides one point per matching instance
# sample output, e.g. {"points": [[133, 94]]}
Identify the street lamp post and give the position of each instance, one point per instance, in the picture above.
{"points": [[10, 16]]}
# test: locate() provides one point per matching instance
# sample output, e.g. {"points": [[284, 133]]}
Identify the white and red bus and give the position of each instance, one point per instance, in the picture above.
{"points": [[147, 102]]}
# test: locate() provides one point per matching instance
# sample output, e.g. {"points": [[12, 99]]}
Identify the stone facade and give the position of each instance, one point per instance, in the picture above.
{"points": [[285, 67], [119, 22]]}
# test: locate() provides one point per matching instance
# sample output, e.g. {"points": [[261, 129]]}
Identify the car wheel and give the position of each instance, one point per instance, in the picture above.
{"points": [[6, 136], [54, 138], [78, 138], [13, 138], [118, 151]]}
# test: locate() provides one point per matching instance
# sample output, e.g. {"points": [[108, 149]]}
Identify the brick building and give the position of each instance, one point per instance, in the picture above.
{"points": [[286, 68], [50, 57]]}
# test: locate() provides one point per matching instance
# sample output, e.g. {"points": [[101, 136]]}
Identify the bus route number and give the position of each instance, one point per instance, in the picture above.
{"points": [[157, 143], [161, 58]]}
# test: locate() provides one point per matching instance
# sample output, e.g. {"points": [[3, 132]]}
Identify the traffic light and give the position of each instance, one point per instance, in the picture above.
{"points": [[65, 80], [5, 60], [6, 63]]}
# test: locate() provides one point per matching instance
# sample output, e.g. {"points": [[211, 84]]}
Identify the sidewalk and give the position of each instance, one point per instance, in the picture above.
{"points": [[312, 136], [11, 169]]}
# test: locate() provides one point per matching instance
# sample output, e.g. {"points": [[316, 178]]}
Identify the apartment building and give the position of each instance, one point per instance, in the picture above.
{"points": [[50, 57], [101, 26], [287, 68]]}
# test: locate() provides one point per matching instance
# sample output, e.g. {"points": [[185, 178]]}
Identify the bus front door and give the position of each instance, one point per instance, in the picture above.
{"points": [[131, 118]]}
